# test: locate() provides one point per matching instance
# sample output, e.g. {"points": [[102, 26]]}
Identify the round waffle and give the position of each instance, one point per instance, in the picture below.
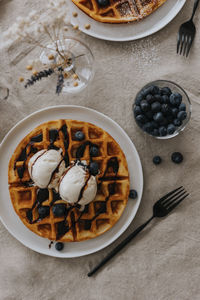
{"points": [[113, 182], [119, 11]]}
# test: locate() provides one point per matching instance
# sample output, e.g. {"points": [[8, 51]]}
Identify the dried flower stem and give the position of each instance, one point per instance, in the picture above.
{"points": [[54, 41], [60, 82], [39, 76]]}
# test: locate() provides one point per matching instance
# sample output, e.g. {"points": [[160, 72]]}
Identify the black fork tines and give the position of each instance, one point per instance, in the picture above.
{"points": [[185, 44], [178, 42], [174, 198], [175, 203], [169, 199], [187, 33], [189, 45], [170, 194], [182, 42], [185, 38]]}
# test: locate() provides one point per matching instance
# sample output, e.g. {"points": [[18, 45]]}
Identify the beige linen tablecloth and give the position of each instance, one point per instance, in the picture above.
{"points": [[163, 262]]}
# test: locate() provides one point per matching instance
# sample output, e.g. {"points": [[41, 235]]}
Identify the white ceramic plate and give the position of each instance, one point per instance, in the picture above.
{"points": [[7, 214], [128, 32]]}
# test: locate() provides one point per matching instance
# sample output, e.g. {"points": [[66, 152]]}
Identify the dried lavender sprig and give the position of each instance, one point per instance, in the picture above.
{"points": [[39, 76], [60, 81]]}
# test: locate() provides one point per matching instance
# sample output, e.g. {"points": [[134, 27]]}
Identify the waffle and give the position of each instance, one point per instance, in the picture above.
{"points": [[113, 183], [119, 11]]}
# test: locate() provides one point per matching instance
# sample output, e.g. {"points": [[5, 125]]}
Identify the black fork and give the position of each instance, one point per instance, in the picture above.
{"points": [[187, 33], [160, 209]]}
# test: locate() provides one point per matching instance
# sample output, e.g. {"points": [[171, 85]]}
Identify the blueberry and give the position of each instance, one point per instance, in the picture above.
{"points": [[158, 117], [158, 97], [156, 107], [138, 99], [175, 99], [172, 99], [165, 99], [177, 122], [94, 168], [166, 109], [59, 210], [182, 107], [164, 122], [144, 105], [162, 131], [166, 91], [178, 101], [94, 151], [141, 119], [59, 246], [171, 129], [174, 111], [149, 98], [182, 115], [155, 90], [177, 157], [103, 2], [146, 92], [79, 136], [150, 89], [149, 115], [155, 132], [43, 211], [154, 125], [137, 110], [170, 119], [157, 160], [133, 194], [147, 127]]}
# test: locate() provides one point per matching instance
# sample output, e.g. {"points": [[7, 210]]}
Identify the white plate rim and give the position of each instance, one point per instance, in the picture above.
{"points": [[136, 204], [131, 38]]}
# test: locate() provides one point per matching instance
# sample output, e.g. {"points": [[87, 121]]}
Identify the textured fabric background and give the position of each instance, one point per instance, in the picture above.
{"points": [[164, 261]]}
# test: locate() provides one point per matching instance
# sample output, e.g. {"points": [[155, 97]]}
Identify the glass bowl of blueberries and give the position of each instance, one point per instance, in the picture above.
{"points": [[162, 109]]}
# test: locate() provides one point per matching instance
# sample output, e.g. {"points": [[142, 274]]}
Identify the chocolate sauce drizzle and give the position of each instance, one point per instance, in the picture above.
{"points": [[50, 244], [55, 171], [66, 144], [63, 227], [114, 165], [28, 183], [102, 209], [42, 195], [23, 157], [56, 197], [53, 136], [37, 139], [81, 150], [24, 154], [83, 188]]}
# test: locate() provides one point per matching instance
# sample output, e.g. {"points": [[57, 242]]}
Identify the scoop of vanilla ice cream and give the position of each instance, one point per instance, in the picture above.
{"points": [[42, 167], [72, 183]]}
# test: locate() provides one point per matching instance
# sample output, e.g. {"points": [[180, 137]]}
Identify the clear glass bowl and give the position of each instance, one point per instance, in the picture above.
{"points": [[80, 63], [175, 89]]}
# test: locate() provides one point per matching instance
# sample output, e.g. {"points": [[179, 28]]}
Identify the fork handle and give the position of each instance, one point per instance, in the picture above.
{"points": [[196, 3], [112, 253]]}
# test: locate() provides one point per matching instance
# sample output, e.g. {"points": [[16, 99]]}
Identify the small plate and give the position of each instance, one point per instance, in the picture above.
{"points": [[130, 31], [7, 214]]}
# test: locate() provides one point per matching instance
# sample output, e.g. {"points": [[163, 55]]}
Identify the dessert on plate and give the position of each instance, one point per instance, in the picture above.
{"points": [[118, 11], [68, 180]]}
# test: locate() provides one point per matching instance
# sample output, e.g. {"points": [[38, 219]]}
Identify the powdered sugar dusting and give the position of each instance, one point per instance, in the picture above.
{"points": [[145, 53]]}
